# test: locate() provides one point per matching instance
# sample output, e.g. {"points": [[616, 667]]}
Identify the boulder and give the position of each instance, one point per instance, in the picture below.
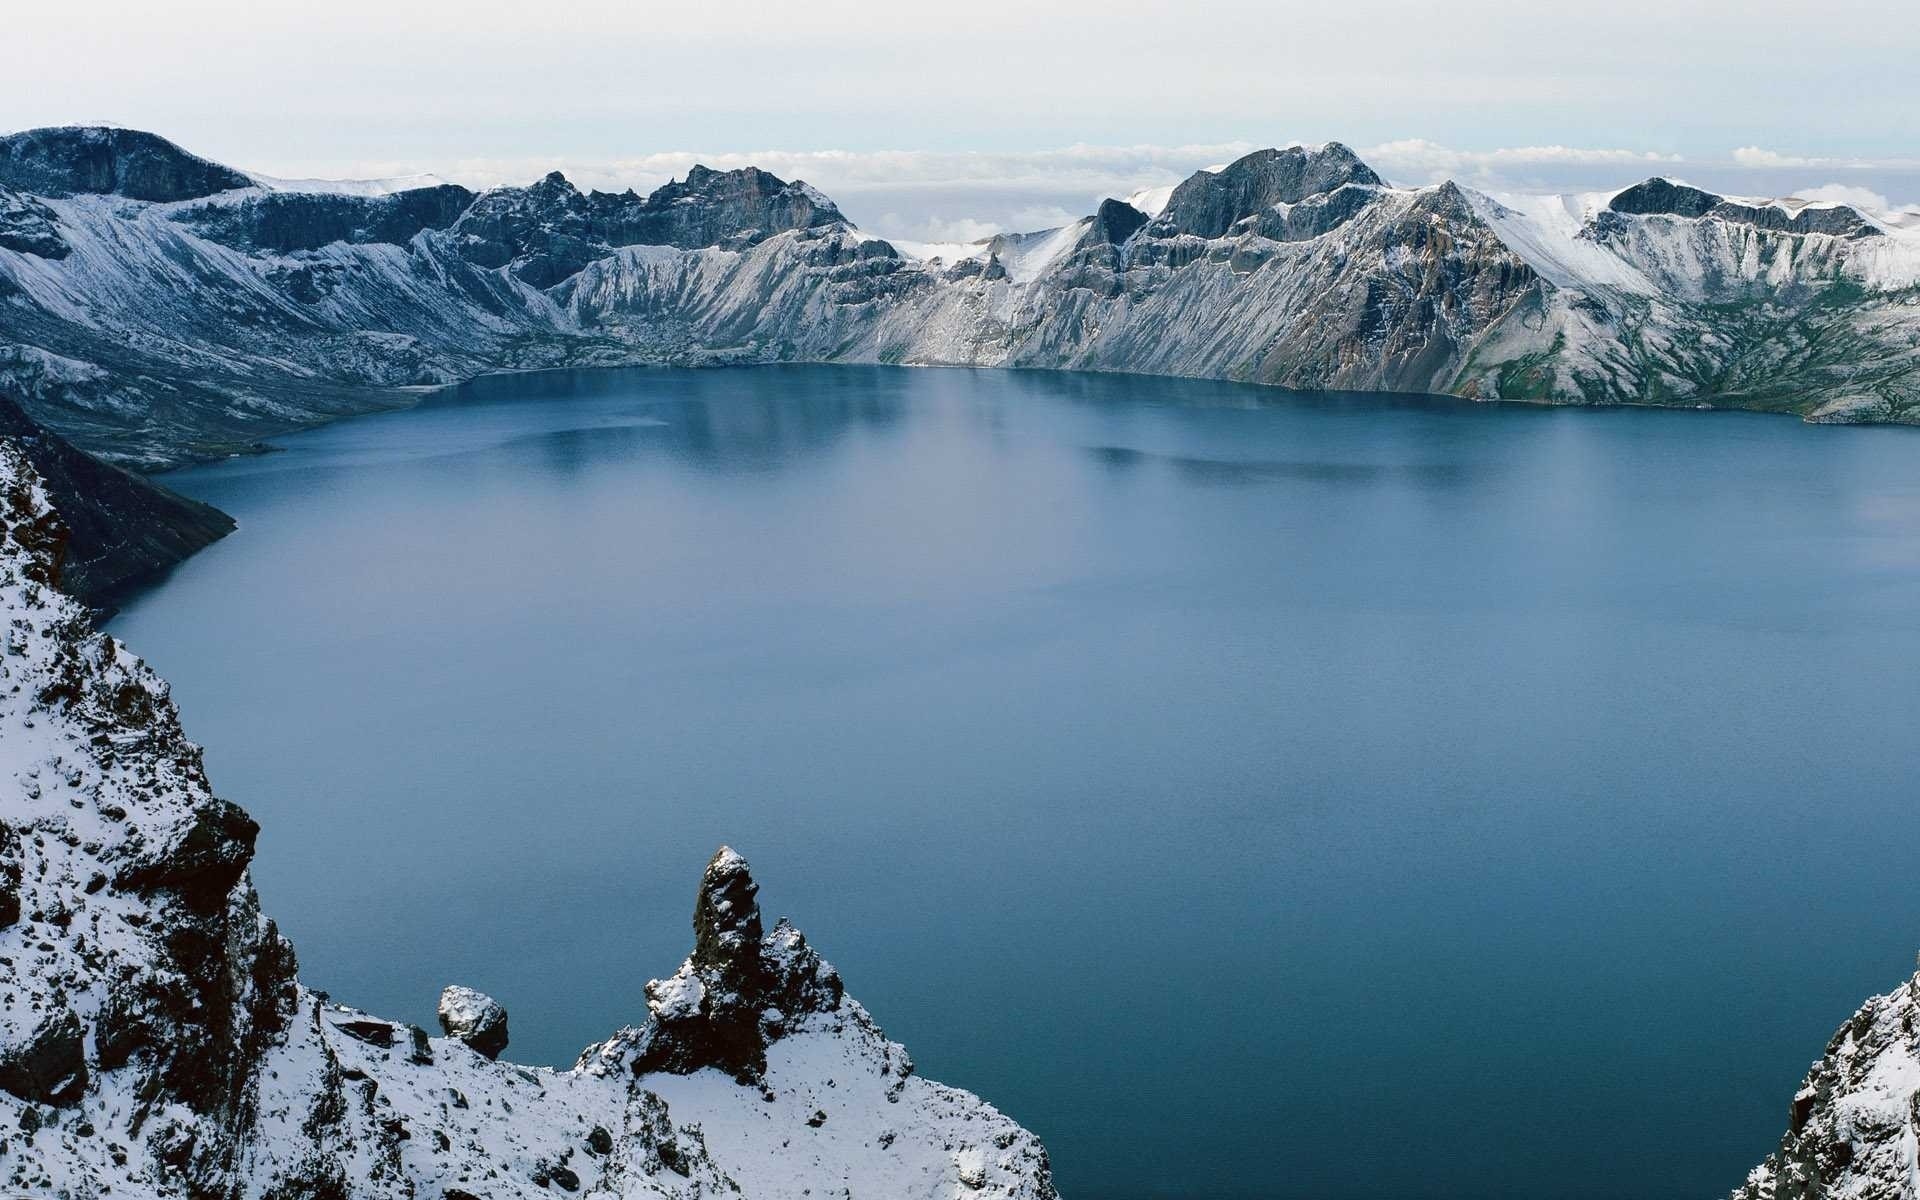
{"points": [[49, 1065], [474, 1018]]}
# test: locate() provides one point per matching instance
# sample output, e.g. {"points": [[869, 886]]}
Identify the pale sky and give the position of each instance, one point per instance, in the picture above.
{"points": [[995, 113]]}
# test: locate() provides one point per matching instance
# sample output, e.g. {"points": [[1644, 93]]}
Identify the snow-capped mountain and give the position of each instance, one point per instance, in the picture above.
{"points": [[155, 306], [156, 1041]]}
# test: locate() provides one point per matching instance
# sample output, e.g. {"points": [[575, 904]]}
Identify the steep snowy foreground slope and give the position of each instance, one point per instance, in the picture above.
{"points": [[155, 1040], [1853, 1131], [155, 306]]}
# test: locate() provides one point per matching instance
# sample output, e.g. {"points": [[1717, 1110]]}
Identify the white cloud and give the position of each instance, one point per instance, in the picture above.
{"points": [[940, 229], [1422, 158], [1759, 158], [1841, 193], [1045, 216]]}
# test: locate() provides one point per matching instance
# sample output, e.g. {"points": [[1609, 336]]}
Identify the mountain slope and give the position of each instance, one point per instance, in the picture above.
{"points": [[156, 308], [121, 528], [155, 1039], [1853, 1129]]}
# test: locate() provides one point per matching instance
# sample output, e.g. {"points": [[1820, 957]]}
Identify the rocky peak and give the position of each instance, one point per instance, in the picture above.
{"points": [[1114, 223], [739, 991], [1210, 203], [1664, 197], [69, 160], [726, 915], [710, 208]]}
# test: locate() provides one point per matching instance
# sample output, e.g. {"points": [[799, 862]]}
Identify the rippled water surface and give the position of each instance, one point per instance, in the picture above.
{"points": [[1255, 795]]}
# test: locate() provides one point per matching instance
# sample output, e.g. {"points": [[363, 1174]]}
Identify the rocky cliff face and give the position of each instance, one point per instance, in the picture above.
{"points": [[121, 528], [155, 307], [105, 160], [1853, 1129], [155, 1039]]}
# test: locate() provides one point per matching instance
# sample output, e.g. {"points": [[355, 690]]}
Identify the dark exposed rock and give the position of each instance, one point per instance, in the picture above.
{"points": [[548, 231], [740, 990], [1312, 216], [122, 529], [126, 162], [28, 226], [9, 875], [204, 863], [1664, 197], [419, 1048], [1115, 222], [599, 1141], [283, 222], [1838, 220], [49, 1065], [474, 1018], [1210, 203], [374, 1033], [709, 207]]}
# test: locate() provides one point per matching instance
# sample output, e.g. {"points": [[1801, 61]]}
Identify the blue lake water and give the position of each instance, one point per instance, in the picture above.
{"points": [[1253, 794]]}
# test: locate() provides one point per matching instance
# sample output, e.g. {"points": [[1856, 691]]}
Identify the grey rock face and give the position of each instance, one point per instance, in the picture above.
{"points": [[1115, 222], [1836, 220], [1664, 197], [1211, 203], [547, 232], [50, 1064], [283, 222], [717, 208], [28, 226], [121, 162], [121, 528], [474, 1018], [740, 990]]}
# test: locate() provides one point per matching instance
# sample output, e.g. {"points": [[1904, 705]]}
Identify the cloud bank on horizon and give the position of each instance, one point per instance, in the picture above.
{"points": [[1753, 97]]}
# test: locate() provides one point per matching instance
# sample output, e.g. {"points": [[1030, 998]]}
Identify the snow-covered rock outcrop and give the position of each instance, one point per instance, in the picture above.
{"points": [[156, 307], [1853, 1130], [155, 1040]]}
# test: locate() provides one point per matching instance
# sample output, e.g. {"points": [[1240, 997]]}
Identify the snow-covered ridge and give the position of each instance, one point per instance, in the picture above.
{"points": [[155, 1040], [159, 308]]}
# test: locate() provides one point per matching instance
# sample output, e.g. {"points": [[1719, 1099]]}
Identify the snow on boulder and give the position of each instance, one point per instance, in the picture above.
{"points": [[474, 1018]]}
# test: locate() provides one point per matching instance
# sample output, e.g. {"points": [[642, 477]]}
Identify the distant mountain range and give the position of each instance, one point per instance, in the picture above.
{"points": [[157, 307]]}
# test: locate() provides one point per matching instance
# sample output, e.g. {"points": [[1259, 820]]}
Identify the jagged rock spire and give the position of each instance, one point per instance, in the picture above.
{"points": [[740, 990], [726, 915]]}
